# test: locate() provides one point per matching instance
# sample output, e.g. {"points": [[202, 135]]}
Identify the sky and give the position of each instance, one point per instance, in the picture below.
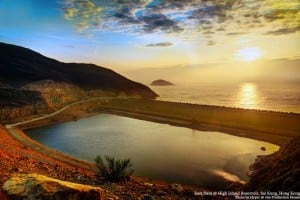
{"points": [[141, 34]]}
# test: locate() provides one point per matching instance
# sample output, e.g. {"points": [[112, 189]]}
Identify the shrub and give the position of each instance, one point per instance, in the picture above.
{"points": [[113, 169]]}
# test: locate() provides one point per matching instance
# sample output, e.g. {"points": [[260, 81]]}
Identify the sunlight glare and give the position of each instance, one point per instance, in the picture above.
{"points": [[248, 54]]}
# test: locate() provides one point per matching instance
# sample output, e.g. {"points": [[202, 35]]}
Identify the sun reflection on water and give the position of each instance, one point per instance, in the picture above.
{"points": [[247, 96]]}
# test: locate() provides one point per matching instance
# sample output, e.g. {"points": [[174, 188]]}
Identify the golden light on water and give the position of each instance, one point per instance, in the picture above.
{"points": [[228, 176], [247, 96]]}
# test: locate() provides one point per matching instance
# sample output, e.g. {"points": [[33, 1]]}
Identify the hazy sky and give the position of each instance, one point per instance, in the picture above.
{"points": [[131, 34]]}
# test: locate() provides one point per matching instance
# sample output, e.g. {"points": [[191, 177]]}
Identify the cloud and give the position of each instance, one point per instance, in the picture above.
{"points": [[160, 44], [156, 22], [211, 43], [283, 31], [220, 29], [235, 33], [82, 13], [183, 16]]}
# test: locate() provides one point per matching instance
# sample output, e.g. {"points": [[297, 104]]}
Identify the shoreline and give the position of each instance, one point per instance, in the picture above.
{"points": [[21, 137], [269, 126], [274, 139]]}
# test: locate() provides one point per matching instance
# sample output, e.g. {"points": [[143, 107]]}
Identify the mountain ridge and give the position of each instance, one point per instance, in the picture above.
{"points": [[20, 66]]}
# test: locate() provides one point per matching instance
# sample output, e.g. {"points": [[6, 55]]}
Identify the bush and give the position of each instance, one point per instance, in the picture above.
{"points": [[113, 169]]}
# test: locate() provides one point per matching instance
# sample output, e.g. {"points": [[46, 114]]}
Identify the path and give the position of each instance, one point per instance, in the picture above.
{"points": [[8, 126]]}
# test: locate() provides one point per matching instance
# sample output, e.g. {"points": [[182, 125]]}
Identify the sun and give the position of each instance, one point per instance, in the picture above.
{"points": [[248, 54]]}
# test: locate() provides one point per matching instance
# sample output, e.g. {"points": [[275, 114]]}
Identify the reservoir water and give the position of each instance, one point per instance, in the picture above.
{"points": [[158, 151]]}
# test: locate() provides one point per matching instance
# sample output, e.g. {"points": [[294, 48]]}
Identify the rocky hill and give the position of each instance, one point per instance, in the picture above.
{"points": [[21, 66], [279, 171]]}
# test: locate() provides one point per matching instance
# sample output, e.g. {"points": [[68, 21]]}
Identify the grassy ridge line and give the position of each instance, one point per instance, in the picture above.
{"points": [[275, 127]]}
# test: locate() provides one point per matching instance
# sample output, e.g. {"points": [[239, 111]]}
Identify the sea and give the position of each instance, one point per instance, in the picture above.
{"points": [[281, 97]]}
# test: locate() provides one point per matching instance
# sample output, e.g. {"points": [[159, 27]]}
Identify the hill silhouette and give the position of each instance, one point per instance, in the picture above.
{"points": [[20, 66]]}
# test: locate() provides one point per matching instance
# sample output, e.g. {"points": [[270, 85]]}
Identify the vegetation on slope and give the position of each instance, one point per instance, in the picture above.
{"points": [[15, 104]]}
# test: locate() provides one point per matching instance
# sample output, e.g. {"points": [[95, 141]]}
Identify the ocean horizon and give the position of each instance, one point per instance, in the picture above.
{"points": [[280, 97]]}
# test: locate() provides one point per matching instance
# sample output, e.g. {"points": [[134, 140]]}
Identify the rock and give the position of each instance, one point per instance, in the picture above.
{"points": [[147, 197], [34, 186], [149, 191], [161, 193], [177, 188], [81, 179], [148, 184]]}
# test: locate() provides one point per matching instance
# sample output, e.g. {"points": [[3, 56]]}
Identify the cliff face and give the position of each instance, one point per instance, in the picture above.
{"points": [[20, 66], [279, 171]]}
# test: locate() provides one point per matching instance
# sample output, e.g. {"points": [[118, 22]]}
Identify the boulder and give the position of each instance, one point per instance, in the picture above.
{"points": [[35, 186], [177, 188]]}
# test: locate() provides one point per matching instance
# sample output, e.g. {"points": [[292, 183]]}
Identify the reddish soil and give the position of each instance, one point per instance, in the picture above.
{"points": [[18, 158]]}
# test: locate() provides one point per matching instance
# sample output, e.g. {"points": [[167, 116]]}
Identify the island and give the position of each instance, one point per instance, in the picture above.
{"points": [[161, 82]]}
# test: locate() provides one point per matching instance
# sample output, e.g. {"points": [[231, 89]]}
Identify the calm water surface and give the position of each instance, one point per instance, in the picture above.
{"points": [[158, 151], [283, 97]]}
